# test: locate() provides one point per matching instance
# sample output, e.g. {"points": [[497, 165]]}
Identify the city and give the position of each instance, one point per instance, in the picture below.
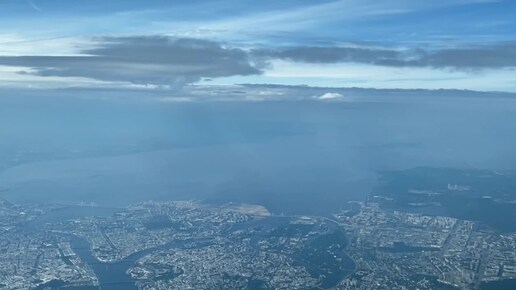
{"points": [[193, 245]]}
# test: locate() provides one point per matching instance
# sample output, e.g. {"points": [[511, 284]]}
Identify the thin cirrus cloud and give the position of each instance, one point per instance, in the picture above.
{"points": [[314, 16], [152, 60]]}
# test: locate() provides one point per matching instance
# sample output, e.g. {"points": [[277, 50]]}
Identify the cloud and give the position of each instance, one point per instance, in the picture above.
{"points": [[486, 56], [34, 6], [497, 55], [259, 93], [330, 54], [154, 60], [177, 99], [329, 96], [169, 62]]}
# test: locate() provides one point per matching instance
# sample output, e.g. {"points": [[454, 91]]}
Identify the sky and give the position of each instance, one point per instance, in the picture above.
{"points": [[277, 99], [176, 47]]}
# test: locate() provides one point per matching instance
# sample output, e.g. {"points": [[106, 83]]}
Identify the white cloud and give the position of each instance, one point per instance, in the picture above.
{"points": [[330, 97]]}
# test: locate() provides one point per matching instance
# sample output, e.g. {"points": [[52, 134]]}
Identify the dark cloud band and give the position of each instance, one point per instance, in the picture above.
{"points": [[175, 62], [475, 57], [145, 60]]}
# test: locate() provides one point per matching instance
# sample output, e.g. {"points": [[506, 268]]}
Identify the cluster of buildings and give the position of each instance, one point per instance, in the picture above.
{"points": [[192, 245], [179, 245], [220, 265], [395, 250], [150, 225], [30, 258]]}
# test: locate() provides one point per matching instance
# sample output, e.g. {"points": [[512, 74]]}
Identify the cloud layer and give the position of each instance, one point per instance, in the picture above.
{"points": [[171, 62], [144, 60], [499, 55]]}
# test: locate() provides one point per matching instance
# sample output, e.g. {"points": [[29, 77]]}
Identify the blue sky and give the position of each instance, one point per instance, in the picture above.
{"points": [[450, 44]]}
